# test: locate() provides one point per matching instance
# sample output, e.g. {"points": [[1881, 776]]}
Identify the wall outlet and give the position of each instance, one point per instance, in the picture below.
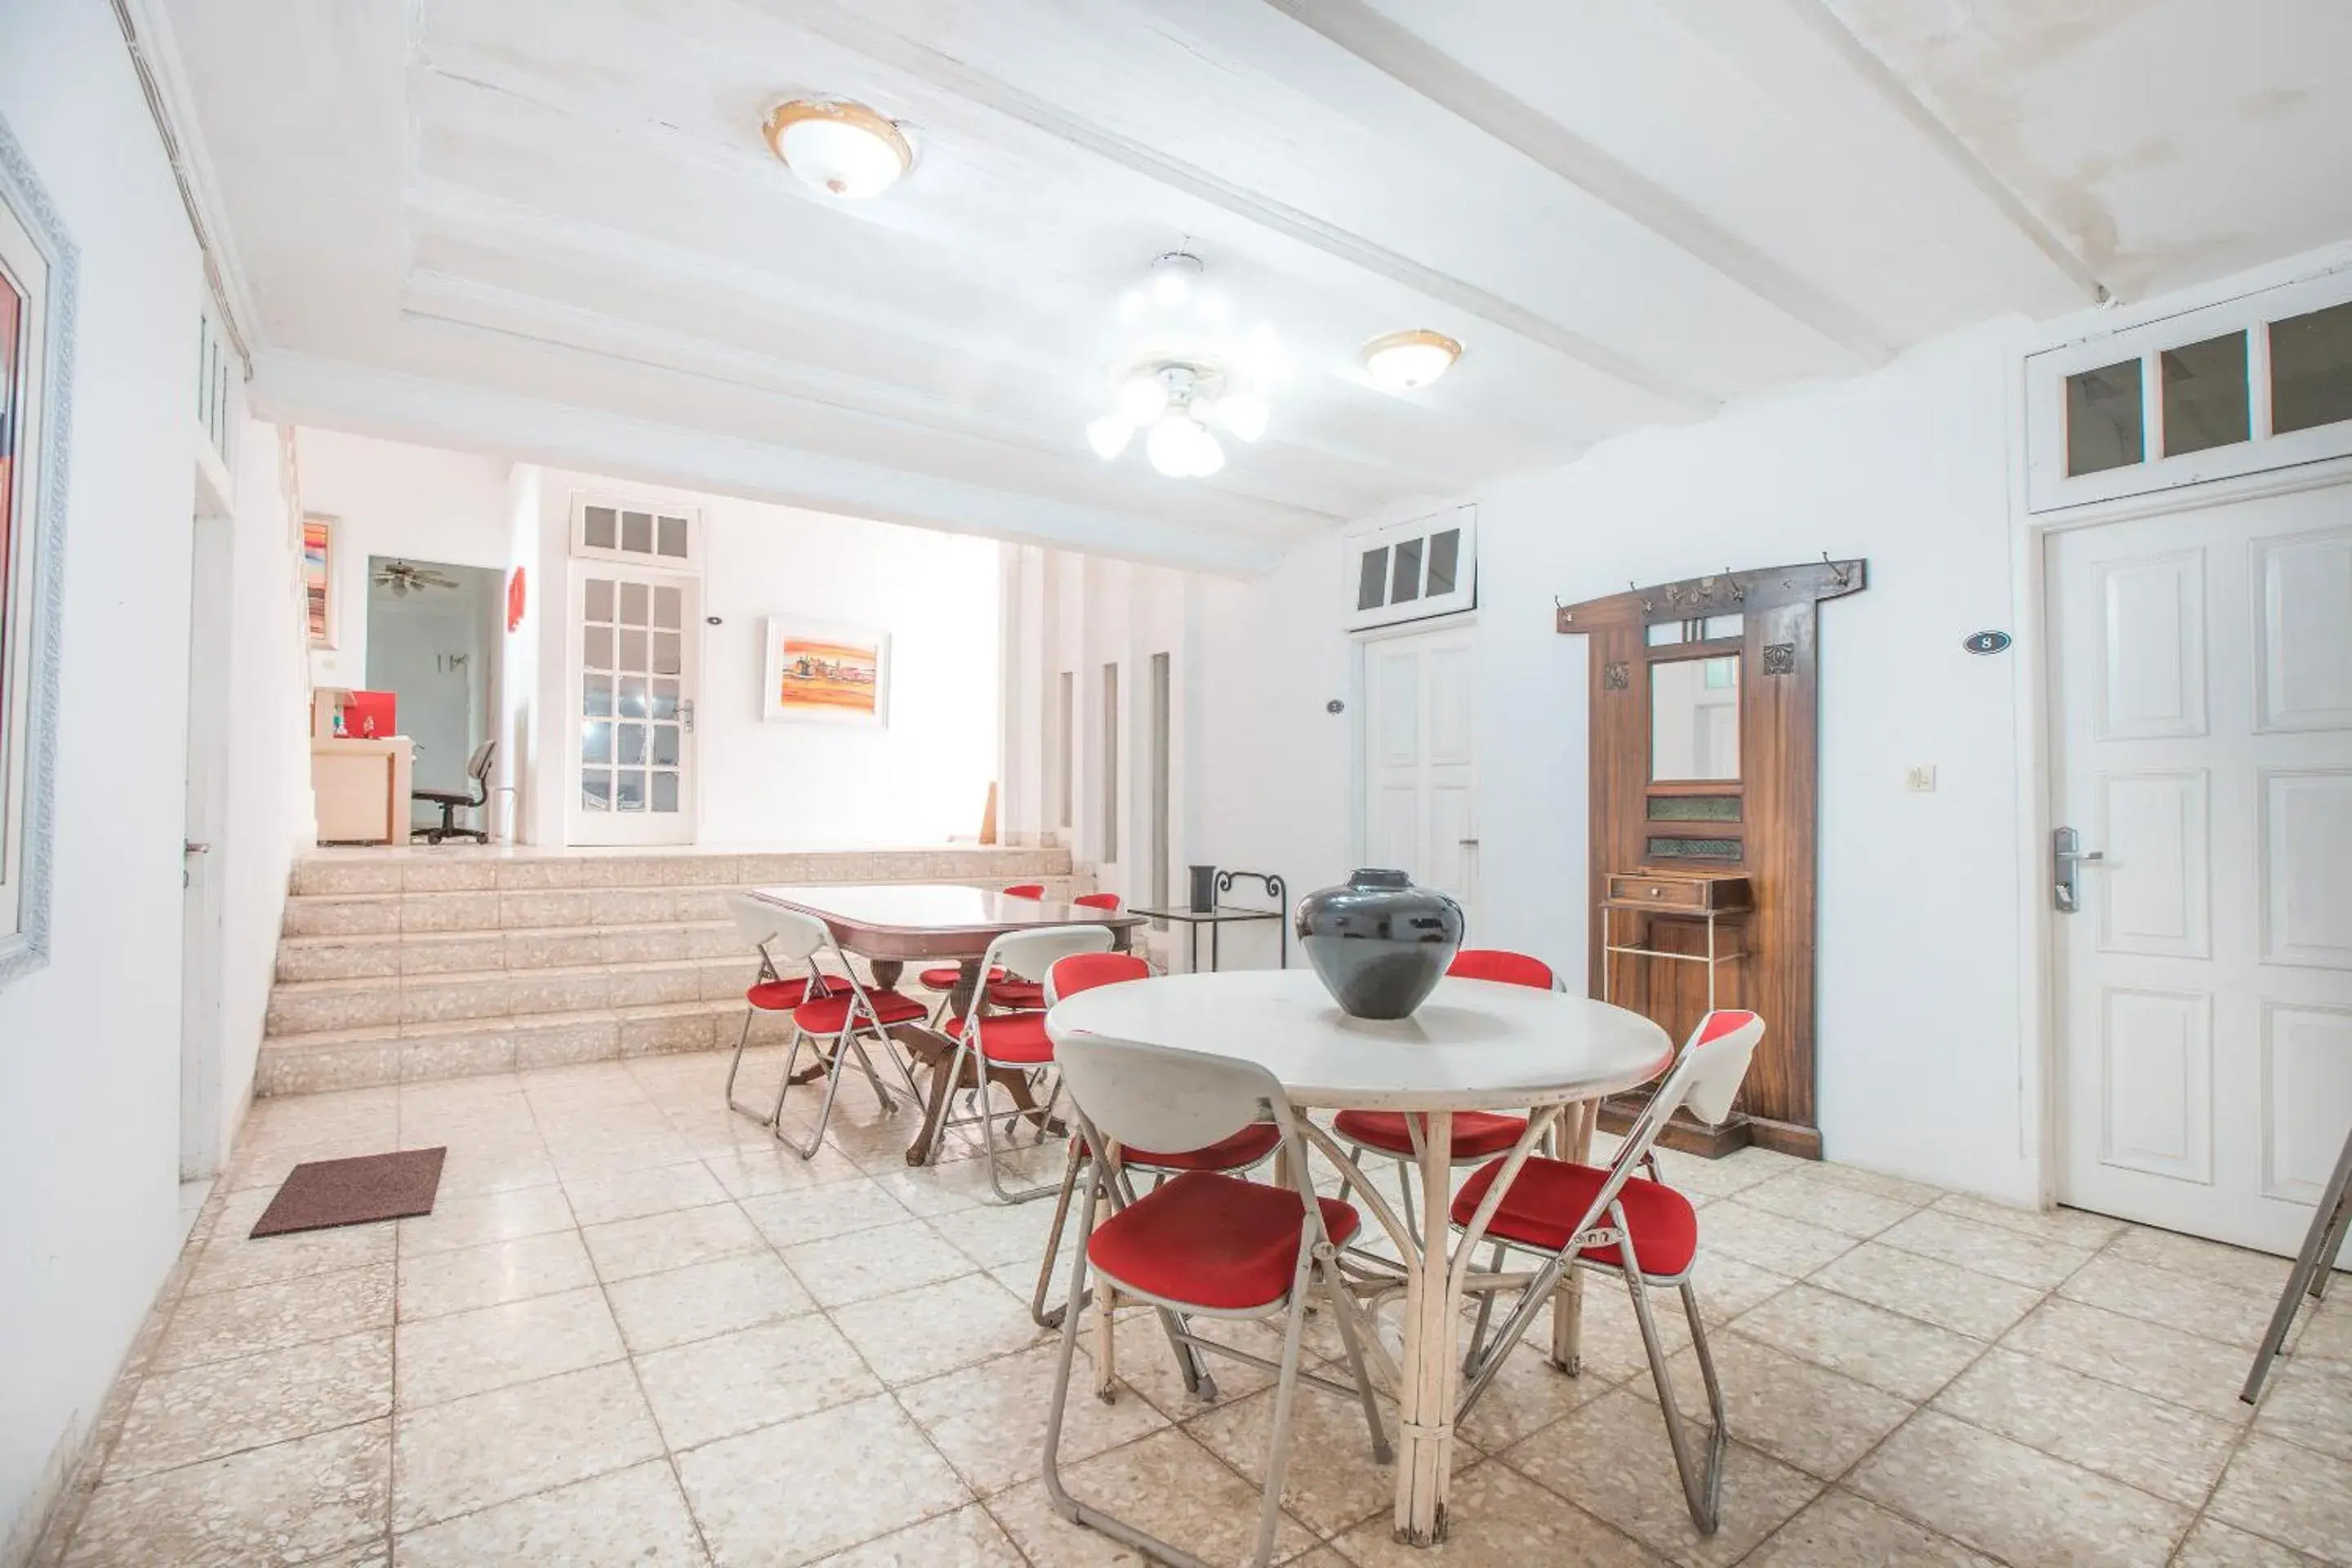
{"points": [[1921, 780]]}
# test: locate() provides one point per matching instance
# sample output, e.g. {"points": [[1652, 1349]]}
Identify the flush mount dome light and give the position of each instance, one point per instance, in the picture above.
{"points": [[842, 149], [1403, 361]]}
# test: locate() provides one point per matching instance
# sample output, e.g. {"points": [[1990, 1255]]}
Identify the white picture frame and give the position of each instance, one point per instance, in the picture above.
{"points": [[41, 268], [816, 671]]}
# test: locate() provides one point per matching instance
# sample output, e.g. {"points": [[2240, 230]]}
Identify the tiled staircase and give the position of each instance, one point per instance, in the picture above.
{"points": [[416, 965]]}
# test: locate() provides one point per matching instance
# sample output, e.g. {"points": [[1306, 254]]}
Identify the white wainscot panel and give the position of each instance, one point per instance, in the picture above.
{"points": [[2151, 664], [2153, 887], [2304, 613], [1396, 701], [2155, 1083], [2307, 867], [1393, 835], [2306, 1097], [1452, 703]]}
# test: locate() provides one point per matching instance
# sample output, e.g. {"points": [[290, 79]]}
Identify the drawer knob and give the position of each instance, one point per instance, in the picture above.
{"points": [[1657, 892]]}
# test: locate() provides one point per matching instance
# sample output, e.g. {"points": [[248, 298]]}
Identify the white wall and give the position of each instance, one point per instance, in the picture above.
{"points": [[89, 1044], [1919, 1036], [388, 498], [268, 816], [923, 779]]}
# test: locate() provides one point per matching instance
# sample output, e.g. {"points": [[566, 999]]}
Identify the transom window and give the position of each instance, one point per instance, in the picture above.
{"points": [[2258, 383]]}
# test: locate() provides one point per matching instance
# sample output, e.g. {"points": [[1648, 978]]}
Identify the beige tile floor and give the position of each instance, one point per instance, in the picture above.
{"points": [[635, 1331]]}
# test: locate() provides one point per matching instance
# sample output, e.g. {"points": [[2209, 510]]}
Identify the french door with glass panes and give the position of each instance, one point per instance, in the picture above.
{"points": [[636, 661]]}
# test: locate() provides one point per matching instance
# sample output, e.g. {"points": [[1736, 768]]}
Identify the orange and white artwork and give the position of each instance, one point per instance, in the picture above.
{"points": [[827, 672]]}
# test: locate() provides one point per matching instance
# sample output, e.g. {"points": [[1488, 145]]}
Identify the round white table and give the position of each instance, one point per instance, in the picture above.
{"points": [[1473, 1044]]}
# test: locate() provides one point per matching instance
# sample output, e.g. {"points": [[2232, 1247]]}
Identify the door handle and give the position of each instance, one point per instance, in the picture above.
{"points": [[685, 712], [2067, 856], [190, 847], [1468, 842]]}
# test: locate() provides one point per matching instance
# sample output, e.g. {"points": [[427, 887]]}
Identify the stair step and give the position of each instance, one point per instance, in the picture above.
{"points": [[308, 1006], [311, 958], [437, 913], [457, 870], [360, 1058]]}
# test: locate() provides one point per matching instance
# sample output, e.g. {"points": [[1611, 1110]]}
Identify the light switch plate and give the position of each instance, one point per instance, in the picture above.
{"points": [[1921, 780]]}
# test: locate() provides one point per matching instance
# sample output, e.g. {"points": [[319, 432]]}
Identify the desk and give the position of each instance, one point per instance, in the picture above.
{"points": [[361, 789]]}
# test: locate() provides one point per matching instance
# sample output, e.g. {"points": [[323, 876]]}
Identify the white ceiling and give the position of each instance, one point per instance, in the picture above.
{"points": [[551, 227]]}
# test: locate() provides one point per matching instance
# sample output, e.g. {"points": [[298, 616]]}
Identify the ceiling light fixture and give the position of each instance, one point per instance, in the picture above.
{"points": [[1173, 273], [1402, 362], [841, 148], [1193, 374]]}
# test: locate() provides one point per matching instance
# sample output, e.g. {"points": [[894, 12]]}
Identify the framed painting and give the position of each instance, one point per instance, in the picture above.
{"points": [[318, 579], [827, 672], [38, 266]]}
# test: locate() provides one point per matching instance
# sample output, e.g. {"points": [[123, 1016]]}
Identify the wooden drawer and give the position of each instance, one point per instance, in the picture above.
{"points": [[1666, 890]]}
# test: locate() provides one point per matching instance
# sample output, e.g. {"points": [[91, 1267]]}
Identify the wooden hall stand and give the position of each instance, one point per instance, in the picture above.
{"points": [[1696, 848]]}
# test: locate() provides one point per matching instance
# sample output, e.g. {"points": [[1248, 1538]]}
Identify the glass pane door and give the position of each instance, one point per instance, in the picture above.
{"points": [[635, 652]]}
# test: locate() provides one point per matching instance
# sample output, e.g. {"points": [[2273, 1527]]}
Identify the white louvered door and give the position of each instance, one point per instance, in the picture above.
{"points": [[2203, 722]]}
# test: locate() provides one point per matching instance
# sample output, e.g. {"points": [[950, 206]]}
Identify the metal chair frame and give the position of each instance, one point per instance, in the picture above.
{"points": [[800, 938], [1707, 1076], [1405, 1163], [751, 918], [1153, 1096], [1029, 954]]}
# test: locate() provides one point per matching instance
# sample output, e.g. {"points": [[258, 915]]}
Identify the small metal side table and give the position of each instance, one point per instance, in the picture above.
{"points": [[1224, 915], [1702, 896]]}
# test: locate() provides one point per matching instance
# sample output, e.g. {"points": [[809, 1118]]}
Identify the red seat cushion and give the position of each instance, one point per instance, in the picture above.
{"points": [[1476, 1133], [1019, 1039], [1019, 994], [780, 996], [826, 1013], [1551, 1195], [1210, 1240], [951, 976], [1238, 1152]]}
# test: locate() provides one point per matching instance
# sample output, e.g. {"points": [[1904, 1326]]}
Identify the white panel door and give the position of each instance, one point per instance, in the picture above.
{"points": [[634, 654], [2202, 748], [1421, 761]]}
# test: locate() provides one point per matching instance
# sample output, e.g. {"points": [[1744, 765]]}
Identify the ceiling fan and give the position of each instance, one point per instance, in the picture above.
{"points": [[402, 578]]}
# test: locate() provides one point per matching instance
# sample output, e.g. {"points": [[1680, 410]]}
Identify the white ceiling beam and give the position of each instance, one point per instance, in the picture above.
{"points": [[293, 388], [851, 31], [1818, 61], [1420, 66]]}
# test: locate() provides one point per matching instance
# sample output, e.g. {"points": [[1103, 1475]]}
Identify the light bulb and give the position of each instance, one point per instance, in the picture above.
{"points": [[1108, 435], [1169, 286], [1169, 447], [1204, 407], [1142, 398], [1207, 456], [1244, 413]]}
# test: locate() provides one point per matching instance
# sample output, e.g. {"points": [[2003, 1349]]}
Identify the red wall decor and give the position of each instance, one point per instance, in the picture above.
{"points": [[514, 599]]}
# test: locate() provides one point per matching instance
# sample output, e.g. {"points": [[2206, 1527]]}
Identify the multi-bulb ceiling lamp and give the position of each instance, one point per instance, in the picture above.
{"points": [[1180, 400], [842, 149]]}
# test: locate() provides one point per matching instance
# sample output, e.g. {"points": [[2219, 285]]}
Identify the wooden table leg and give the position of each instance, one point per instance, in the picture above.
{"points": [[1431, 1362], [1568, 1300]]}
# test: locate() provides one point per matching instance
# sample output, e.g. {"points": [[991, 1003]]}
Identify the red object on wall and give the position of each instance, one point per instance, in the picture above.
{"points": [[370, 714], [514, 600]]}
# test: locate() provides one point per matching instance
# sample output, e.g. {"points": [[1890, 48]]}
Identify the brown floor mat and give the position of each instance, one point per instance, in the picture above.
{"points": [[323, 1193]]}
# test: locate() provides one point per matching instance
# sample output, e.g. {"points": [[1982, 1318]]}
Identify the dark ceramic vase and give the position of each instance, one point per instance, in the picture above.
{"points": [[1379, 943]]}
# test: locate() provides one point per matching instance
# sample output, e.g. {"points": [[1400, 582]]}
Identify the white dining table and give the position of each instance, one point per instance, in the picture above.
{"points": [[1474, 1045]]}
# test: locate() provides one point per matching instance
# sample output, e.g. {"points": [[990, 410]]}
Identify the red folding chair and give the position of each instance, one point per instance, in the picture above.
{"points": [[772, 992], [1478, 1136], [1204, 1245], [1246, 1149], [1587, 1216]]}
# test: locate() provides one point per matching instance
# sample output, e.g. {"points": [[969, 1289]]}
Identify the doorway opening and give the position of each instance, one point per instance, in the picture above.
{"points": [[204, 857], [433, 637]]}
